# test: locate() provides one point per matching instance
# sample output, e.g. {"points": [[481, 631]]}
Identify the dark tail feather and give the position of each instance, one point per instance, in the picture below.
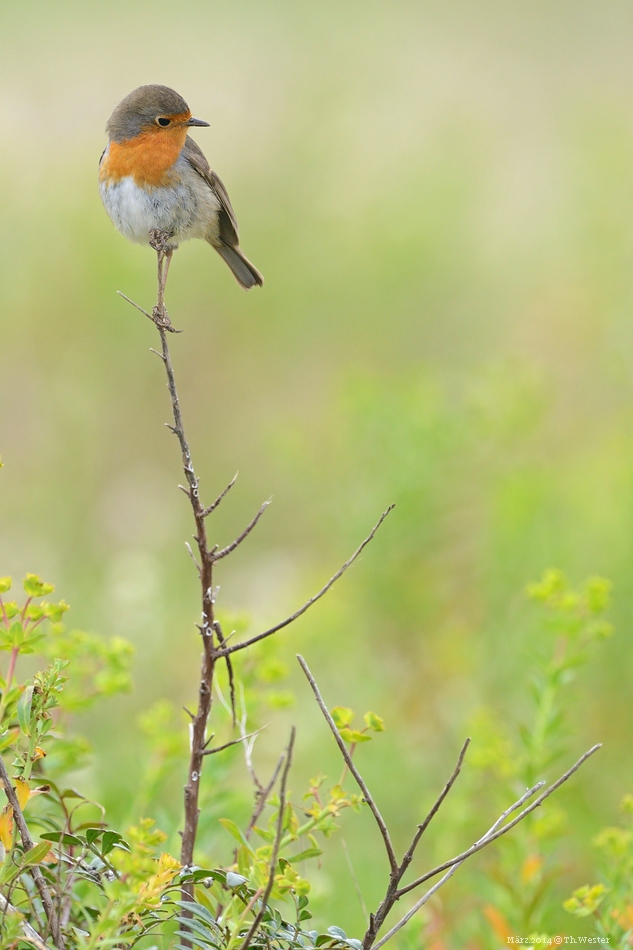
{"points": [[244, 272]]}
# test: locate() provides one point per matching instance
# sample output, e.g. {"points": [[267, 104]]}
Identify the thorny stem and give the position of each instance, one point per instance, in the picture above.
{"points": [[214, 644], [199, 724]]}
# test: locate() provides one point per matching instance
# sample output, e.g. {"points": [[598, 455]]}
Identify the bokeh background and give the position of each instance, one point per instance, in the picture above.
{"points": [[440, 197]]}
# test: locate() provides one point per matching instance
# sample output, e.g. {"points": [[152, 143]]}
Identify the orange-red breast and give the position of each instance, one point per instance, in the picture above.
{"points": [[154, 177]]}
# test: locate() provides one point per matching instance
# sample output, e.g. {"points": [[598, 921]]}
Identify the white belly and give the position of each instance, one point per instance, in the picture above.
{"points": [[182, 210]]}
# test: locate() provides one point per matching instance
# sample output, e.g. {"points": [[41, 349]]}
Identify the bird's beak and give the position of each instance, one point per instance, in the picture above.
{"points": [[199, 122]]}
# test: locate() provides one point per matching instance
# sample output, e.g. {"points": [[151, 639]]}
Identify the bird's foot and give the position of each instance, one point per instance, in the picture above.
{"points": [[159, 240], [162, 321]]}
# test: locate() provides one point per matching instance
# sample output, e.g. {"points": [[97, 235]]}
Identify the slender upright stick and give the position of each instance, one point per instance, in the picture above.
{"points": [[214, 645]]}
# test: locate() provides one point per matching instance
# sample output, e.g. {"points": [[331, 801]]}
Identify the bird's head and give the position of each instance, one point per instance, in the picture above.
{"points": [[151, 109]]}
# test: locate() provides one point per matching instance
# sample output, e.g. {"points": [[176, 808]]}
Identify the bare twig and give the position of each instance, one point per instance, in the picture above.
{"points": [[36, 874], [498, 834], [245, 533], [229, 668], [148, 315], [393, 863], [207, 511], [394, 892], [483, 840], [261, 794], [313, 600], [204, 562], [215, 645], [406, 861], [273, 861], [227, 745]]}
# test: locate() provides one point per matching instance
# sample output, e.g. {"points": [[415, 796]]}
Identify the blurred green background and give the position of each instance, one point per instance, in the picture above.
{"points": [[440, 197]]}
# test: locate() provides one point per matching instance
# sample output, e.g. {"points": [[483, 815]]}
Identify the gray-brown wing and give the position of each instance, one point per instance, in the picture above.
{"points": [[228, 223]]}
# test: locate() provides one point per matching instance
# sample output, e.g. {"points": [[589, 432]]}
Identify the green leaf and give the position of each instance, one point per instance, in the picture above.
{"points": [[5, 584], [70, 841], [8, 737], [342, 716], [374, 722], [337, 932], [111, 840], [92, 834], [9, 872], [35, 586], [305, 855], [263, 833], [353, 735], [35, 854], [193, 907], [16, 633], [25, 704], [55, 612], [233, 829]]}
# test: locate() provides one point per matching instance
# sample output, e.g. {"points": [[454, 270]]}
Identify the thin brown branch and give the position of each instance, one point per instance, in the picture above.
{"points": [[261, 794], [393, 863], [502, 831], [227, 745], [207, 511], [160, 318], [406, 861], [148, 315], [242, 537], [229, 666], [273, 861], [36, 874], [486, 838], [313, 600], [377, 919]]}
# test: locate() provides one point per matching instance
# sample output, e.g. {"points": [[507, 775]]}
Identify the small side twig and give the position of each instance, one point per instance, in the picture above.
{"points": [[393, 863], [207, 511], [261, 794], [242, 537], [284, 623], [227, 745], [273, 861], [406, 861]]}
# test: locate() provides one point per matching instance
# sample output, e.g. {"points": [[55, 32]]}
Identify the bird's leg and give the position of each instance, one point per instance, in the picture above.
{"points": [[169, 253], [164, 251]]}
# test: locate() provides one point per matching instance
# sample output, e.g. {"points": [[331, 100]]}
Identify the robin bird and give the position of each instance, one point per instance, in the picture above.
{"points": [[154, 178]]}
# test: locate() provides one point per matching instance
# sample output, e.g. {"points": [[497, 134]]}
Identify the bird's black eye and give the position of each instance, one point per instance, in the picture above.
{"points": [[164, 122]]}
